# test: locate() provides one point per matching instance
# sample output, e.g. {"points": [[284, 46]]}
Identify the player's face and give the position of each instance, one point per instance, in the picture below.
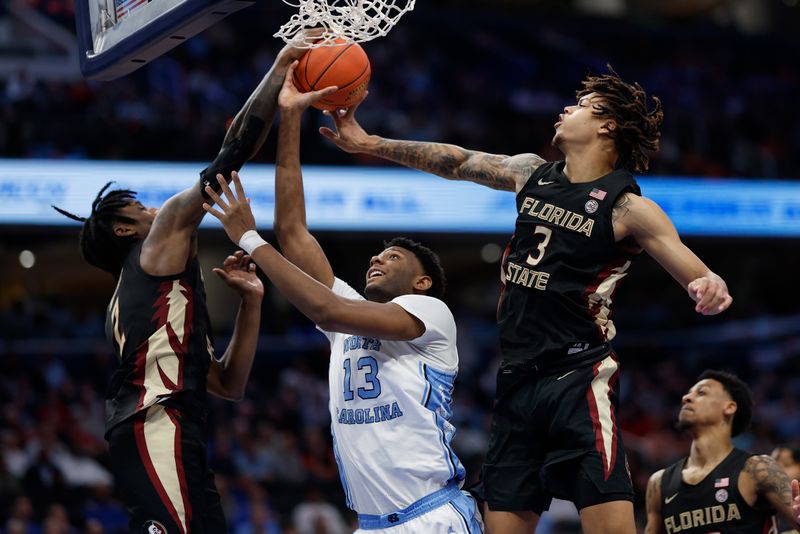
{"points": [[577, 124], [143, 220], [706, 404], [392, 273]]}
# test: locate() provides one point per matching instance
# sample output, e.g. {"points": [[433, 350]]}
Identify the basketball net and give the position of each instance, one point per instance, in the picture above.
{"points": [[354, 20]]}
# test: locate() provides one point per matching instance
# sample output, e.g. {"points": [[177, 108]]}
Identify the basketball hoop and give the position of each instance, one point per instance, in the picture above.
{"points": [[355, 20]]}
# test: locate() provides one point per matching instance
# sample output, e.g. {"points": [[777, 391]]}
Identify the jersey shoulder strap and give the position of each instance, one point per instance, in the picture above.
{"points": [[547, 171], [672, 478]]}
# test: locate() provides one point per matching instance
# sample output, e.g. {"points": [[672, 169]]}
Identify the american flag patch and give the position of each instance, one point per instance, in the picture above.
{"points": [[722, 482], [599, 194]]}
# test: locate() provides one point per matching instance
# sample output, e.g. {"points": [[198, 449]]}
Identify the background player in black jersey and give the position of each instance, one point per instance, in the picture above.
{"points": [[580, 223], [158, 322], [719, 488]]}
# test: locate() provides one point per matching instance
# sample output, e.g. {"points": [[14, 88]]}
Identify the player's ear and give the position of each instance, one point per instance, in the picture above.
{"points": [[730, 408], [423, 283], [123, 229], [608, 128]]}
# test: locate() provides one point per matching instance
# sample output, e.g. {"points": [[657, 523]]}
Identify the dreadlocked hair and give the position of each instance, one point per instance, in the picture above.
{"points": [[429, 260], [99, 244], [638, 130]]}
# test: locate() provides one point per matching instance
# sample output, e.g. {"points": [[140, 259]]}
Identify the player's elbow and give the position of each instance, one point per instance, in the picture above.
{"points": [[227, 393], [291, 234]]}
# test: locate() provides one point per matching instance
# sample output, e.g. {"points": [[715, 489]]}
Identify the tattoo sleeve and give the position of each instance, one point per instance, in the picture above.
{"points": [[621, 207], [244, 138], [456, 163], [770, 478], [653, 498]]}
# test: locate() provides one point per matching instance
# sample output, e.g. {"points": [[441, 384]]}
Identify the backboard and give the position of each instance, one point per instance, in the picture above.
{"points": [[117, 37]]}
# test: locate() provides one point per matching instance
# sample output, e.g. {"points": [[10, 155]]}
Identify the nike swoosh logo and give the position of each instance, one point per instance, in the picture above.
{"points": [[546, 183], [670, 499], [565, 375]]}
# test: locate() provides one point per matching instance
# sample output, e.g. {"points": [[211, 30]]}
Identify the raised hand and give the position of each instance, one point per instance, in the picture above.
{"points": [[291, 99], [239, 273], [710, 294], [349, 135], [236, 216]]}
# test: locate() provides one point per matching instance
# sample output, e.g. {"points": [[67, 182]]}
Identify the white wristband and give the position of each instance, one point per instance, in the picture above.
{"points": [[250, 241]]}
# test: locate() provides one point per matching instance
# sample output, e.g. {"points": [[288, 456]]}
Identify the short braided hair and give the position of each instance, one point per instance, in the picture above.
{"points": [[638, 129], [99, 244]]}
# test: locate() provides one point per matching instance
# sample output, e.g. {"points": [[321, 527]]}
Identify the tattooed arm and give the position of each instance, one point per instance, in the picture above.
{"points": [[170, 244], [772, 484], [643, 220], [507, 173], [655, 522]]}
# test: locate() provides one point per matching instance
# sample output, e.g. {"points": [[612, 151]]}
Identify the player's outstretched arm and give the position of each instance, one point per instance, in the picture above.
{"points": [[329, 311], [507, 173], [773, 484], [647, 223], [168, 245], [297, 244], [227, 377], [653, 504]]}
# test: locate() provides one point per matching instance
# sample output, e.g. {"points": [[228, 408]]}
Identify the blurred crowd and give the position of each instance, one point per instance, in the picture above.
{"points": [[272, 452], [488, 78]]}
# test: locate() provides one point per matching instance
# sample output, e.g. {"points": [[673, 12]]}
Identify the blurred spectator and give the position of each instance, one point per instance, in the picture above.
{"points": [[315, 516], [497, 85]]}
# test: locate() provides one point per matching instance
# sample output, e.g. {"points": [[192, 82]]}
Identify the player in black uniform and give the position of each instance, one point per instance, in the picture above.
{"points": [[158, 322], [580, 224], [719, 488]]}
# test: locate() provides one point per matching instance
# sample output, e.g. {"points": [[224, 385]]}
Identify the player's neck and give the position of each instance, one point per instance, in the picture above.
{"points": [[710, 448], [587, 164]]}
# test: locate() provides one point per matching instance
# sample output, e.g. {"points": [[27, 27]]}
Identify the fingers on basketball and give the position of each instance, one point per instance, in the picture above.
{"points": [[345, 66]]}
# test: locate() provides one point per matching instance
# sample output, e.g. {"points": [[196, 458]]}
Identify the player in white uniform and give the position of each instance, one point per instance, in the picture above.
{"points": [[393, 354]]}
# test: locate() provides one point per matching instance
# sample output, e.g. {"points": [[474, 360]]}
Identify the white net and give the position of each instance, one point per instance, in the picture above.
{"points": [[355, 20]]}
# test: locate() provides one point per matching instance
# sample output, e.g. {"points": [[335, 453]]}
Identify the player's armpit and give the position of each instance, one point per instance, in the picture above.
{"points": [[772, 483], [653, 504]]}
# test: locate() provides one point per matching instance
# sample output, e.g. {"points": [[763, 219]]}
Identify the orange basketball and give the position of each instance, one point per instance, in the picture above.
{"points": [[344, 65]]}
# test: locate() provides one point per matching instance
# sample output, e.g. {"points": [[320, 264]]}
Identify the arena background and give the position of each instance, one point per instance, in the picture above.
{"points": [[486, 75]]}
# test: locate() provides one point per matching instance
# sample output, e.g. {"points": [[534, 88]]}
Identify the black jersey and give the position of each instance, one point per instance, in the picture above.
{"points": [[160, 329], [715, 504], [562, 266]]}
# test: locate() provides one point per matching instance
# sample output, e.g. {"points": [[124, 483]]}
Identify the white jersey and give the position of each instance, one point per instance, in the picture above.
{"points": [[390, 404]]}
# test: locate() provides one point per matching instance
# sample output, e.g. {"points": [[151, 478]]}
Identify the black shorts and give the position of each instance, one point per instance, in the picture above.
{"points": [[160, 465], [555, 435]]}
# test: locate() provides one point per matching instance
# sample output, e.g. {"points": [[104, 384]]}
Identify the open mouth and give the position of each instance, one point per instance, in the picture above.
{"points": [[375, 273]]}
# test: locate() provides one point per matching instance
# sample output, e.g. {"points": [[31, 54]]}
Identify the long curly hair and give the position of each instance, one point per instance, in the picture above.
{"points": [[638, 129]]}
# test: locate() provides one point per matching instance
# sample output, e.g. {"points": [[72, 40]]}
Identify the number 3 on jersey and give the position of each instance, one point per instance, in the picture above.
{"points": [[546, 232], [371, 378]]}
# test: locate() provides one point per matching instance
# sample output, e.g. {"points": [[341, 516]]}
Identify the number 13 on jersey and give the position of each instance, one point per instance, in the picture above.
{"points": [[370, 379]]}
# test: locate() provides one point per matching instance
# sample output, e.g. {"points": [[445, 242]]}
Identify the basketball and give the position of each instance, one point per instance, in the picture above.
{"points": [[344, 65]]}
